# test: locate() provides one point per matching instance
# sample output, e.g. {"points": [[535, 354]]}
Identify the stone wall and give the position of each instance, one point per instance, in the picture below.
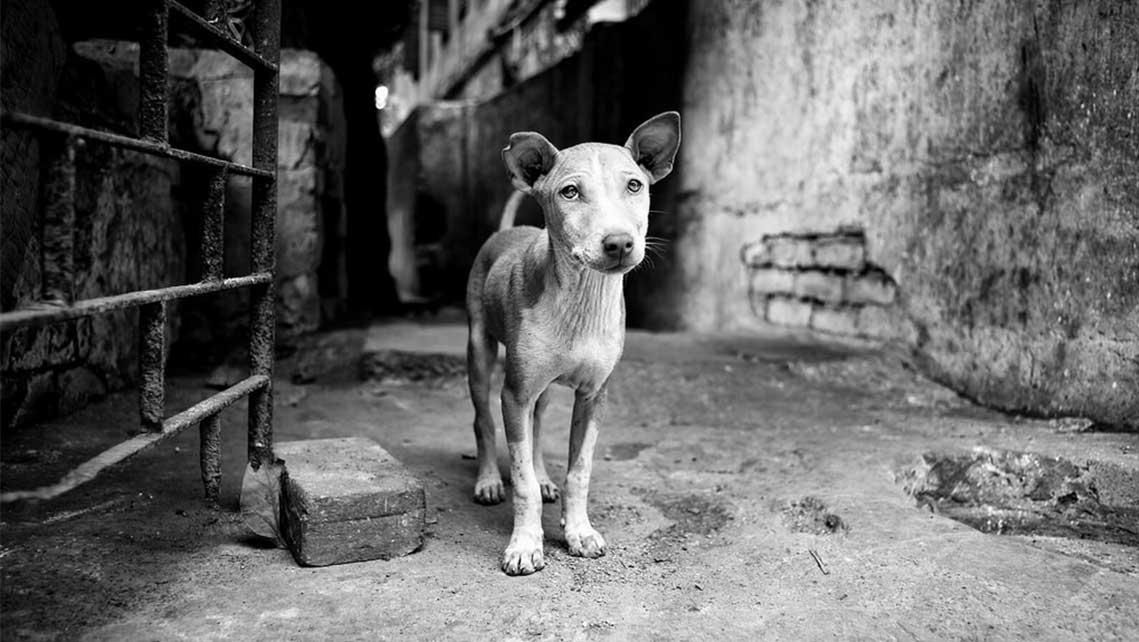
{"points": [[137, 216], [58, 368], [987, 150], [823, 282], [217, 93]]}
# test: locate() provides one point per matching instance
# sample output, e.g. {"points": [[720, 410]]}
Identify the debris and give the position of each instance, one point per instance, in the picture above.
{"points": [[810, 515], [818, 561], [260, 502], [1071, 424]]}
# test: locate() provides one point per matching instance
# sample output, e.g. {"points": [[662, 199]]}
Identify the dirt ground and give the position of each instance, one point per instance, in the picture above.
{"points": [[748, 488]]}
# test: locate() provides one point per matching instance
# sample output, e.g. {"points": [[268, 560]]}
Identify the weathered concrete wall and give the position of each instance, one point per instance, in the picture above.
{"points": [[987, 151]]}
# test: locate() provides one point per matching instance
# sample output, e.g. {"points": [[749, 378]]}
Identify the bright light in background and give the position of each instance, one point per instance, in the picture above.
{"points": [[381, 97]]}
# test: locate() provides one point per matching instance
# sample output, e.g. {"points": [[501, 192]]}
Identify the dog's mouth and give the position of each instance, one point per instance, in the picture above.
{"points": [[619, 267]]}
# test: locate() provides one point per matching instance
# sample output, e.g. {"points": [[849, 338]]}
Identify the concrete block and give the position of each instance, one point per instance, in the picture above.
{"points": [[787, 311], [772, 281], [872, 287], [820, 286], [791, 252], [845, 253], [348, 500], [835, 319]]}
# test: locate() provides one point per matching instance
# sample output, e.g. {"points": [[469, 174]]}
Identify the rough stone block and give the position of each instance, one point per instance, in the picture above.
{"points": [[790, 252], [821, 286], [845, 253], [835, 319], [300, 73], [773, 281], [296, 144], [788, 311], [348, 500], [872, 287]]}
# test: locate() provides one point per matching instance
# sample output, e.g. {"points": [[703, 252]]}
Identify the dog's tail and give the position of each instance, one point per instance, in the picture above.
{"points": [[510, 211]]}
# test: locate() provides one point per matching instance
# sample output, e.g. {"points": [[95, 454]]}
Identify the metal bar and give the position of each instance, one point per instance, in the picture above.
{"points": [[152, 365], [58, 222], [213, 243], [154, 73], [126, 142], [87, 471], [220, 39], [209, 455], [262, 323], [215, 403], [88, 307]]}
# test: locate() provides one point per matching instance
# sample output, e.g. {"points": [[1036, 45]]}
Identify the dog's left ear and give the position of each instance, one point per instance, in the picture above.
{"points": [[654, 144]]}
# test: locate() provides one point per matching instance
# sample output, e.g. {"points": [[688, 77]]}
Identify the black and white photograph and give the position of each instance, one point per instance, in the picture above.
{"points": [[569, 320]]}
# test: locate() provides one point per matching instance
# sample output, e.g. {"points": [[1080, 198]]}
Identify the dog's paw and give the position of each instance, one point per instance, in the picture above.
{"points": [[523, 556], [550, 492], [585, 542], [489, 491]]}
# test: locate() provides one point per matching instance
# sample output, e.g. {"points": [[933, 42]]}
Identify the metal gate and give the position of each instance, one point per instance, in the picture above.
{"points": [[59, 142]]}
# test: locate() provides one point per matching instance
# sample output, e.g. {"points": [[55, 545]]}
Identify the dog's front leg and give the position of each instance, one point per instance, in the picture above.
{"points": [[581, 538], [524, 552]]}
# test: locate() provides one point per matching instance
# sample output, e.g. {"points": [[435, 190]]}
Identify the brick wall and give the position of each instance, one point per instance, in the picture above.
{"points": [[821, 281]]}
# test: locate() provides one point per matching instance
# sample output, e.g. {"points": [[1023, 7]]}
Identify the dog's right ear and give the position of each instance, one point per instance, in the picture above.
{"points": [[528, 157]]}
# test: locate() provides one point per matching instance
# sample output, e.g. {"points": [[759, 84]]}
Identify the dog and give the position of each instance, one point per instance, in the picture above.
{"points": [[555, 298]]}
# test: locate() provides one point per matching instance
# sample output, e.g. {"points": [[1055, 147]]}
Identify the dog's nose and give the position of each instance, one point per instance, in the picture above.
{"points": [[617, 245]]}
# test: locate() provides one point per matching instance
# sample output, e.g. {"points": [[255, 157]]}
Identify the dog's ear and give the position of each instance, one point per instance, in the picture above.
{"points": [[528, 156], [654, 144]]}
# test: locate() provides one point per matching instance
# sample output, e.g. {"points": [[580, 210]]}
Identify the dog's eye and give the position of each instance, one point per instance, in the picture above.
{"points": [[569, 192], [635, 185]]}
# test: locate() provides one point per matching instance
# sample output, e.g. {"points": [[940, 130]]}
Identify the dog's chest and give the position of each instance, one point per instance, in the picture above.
{"points": [[588, 361]]}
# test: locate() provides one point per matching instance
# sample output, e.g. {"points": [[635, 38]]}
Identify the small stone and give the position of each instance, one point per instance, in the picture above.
{"points": [[846, 253], [772, 281], [821, 286], [791, 252], [835, 320], [788, 311]]}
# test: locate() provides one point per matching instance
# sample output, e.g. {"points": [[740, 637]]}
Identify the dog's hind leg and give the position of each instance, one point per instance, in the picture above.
{"points": [[549, 488], [481, 354]]}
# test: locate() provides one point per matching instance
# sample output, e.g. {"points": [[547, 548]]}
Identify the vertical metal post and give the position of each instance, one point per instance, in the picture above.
{"points": [[58, 223], [262, 323], [213, 212], [154, 68], [152, 364], [210, 454]]}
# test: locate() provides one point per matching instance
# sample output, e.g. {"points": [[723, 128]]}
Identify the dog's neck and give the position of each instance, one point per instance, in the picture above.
{"points": [[585, 302]]}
